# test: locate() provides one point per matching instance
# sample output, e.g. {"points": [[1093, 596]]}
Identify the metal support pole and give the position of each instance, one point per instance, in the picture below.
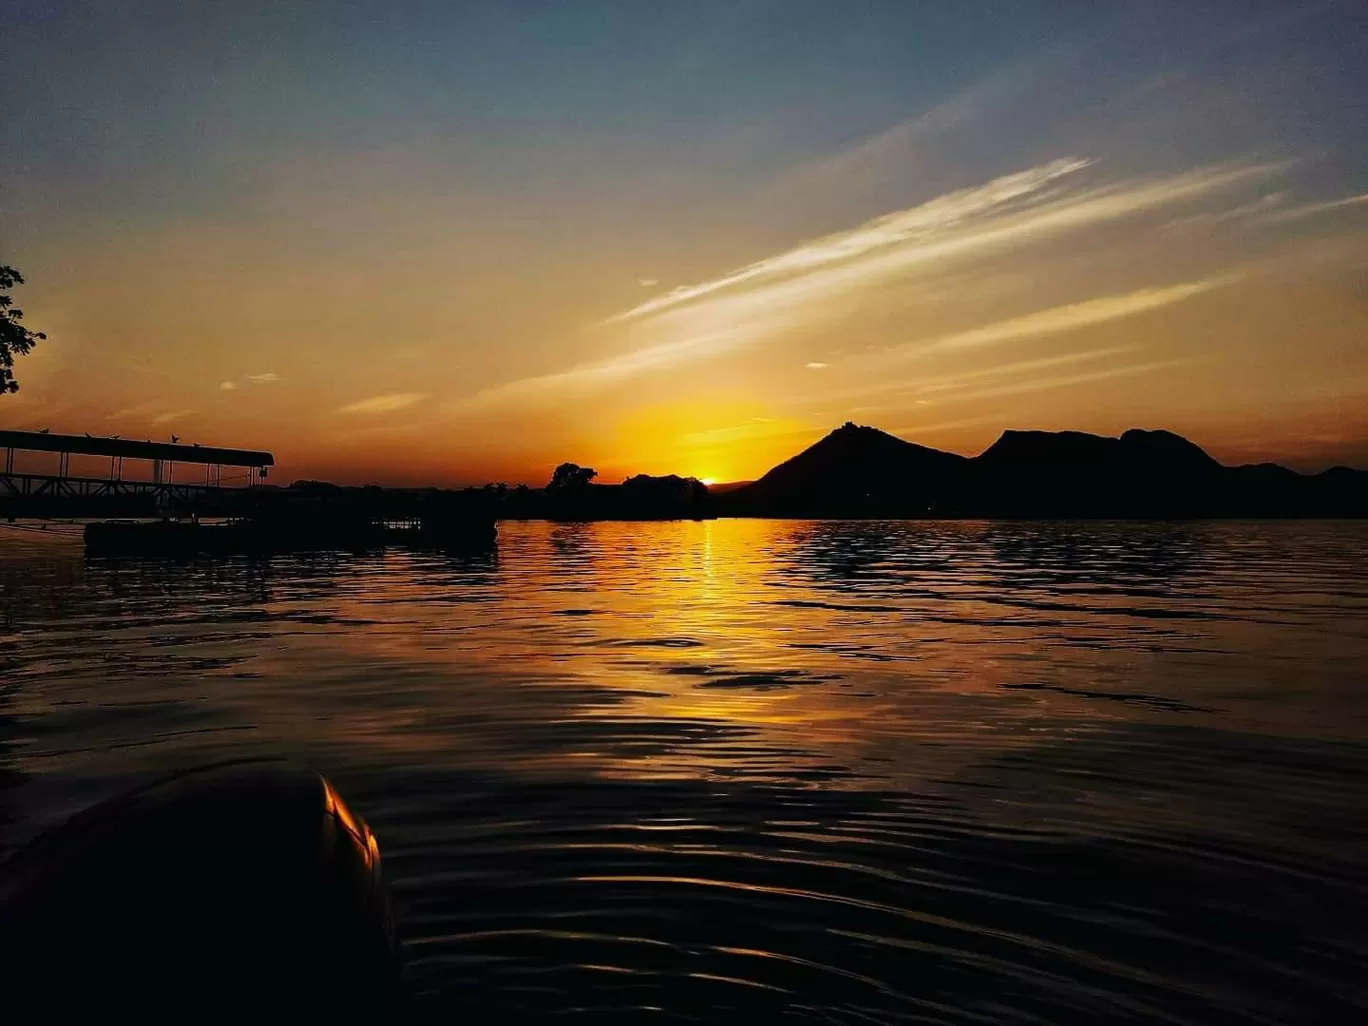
{"points": [[9, 461]]}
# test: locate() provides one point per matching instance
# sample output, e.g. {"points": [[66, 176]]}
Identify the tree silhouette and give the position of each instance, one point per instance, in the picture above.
{"points": [[15, 339], [569, 477]]}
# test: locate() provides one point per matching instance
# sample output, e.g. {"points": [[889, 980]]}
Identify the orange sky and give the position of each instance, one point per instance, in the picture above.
{"points": [[1042, 245]]}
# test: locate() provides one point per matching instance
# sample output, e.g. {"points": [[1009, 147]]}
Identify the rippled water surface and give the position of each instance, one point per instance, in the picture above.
{"points": [[751, 771]]}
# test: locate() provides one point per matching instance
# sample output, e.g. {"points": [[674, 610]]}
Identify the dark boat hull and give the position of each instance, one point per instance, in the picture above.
{"points": [[247, 886]]}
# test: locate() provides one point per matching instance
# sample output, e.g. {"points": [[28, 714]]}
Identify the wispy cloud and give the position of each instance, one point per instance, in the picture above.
{"points": [[905, 150], [888, 230], [167, 418], [817, 365], [266, 378], [1065, 380], [917, 430], [140, 410], [1255, 209], [927, 386], [387, 403], [896, 394], [1023, 381], [1312, 209], [1070, 317], [755, 428], [802, 287]]}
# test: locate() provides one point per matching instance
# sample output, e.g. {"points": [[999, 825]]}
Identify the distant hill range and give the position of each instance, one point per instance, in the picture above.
{"points": [[855, 472], [864, 472]]}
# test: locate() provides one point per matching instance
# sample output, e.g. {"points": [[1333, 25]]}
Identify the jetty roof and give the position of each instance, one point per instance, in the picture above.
{"points": [[95, 445]]}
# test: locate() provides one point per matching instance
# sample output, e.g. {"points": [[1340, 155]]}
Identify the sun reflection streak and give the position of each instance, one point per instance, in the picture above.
{"points": [[775, 650]]}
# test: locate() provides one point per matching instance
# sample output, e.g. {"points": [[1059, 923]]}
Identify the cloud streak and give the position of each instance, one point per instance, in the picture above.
{"points": [[140, 410], [267, 378], [807, 285], [1023, 386], [390, 402], [1069, 317], [895, 395], [881, 232], [1065, 380], [1312, 209], [923, 386]]}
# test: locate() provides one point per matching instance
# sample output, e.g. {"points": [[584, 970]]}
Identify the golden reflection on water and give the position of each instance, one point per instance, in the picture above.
{"points": [[786, 650], [797, 763], [770, 648]]}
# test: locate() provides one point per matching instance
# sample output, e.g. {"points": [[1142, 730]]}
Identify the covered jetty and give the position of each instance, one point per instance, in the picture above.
{"points": [[201, 468]]}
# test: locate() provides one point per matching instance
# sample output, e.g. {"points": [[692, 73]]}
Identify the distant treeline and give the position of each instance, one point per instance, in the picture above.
{"points": [[572, 495]]}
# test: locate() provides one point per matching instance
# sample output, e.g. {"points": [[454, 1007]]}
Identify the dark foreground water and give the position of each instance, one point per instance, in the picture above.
{"points": [[751, 772]]}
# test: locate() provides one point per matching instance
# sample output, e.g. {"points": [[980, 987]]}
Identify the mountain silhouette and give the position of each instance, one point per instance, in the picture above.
{"points": [[862, 472], [853, 471], [1153, 451], [1072, 473]]}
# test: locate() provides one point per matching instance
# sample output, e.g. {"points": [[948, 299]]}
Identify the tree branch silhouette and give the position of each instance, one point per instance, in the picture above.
{"points": [[15, 339]]}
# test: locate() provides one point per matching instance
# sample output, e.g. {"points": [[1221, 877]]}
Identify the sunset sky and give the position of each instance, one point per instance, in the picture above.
{"points": [[458, 242]]}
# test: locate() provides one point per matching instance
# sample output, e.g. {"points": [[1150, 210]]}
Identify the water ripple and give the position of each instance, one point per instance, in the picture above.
{"points": [[772, 772]]}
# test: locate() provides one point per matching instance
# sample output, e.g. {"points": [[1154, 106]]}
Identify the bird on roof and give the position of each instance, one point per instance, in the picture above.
{"points": [[175, 439], [43, 431]]}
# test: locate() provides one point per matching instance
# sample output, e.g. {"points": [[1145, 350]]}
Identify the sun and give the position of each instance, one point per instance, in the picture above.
{"points": [[709, 481]]}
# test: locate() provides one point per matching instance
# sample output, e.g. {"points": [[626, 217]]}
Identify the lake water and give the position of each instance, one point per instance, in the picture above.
{"points": [[761, 771]]}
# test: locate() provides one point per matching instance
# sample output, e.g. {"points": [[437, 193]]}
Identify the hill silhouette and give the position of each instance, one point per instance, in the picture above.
{"points": [[1071, 473], [855, 471], [864, 472]]}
